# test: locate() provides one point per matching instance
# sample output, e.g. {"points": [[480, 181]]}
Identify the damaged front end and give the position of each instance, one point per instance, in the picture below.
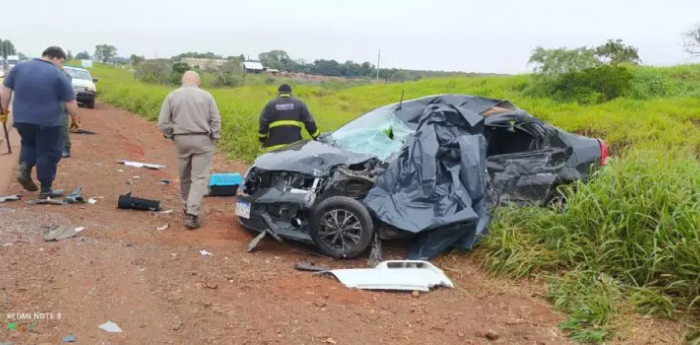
{"points": [[289, 204]]}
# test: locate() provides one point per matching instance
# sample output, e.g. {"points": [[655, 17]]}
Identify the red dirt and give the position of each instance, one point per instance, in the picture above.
{"points": [[158, 288]]}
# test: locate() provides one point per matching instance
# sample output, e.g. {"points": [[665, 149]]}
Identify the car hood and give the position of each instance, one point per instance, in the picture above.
{"points": [[309, 157], [82, 82]]}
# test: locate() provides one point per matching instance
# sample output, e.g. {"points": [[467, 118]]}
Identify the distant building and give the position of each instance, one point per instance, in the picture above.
{"points": [[253, 67], [204, 64]]}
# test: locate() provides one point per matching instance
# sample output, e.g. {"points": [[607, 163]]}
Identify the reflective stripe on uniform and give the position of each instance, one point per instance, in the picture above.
{"points": [[275, 147], [317, 133], [286, 123], [262, 135]]}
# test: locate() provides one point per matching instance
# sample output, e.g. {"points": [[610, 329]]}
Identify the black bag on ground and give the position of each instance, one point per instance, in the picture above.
{"points": [[128, 202]]}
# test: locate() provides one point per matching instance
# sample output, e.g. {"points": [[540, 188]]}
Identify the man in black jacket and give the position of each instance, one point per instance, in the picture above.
{"points": [[282, 118]]}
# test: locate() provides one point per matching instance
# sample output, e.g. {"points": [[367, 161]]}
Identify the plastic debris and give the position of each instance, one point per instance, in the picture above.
{"points": [[56, 233], [93, 200], [10, 198], [205, 253], [161, 228], [129, 202], [165, 182], [69, 339], [7, 244], [403, 275], [309, 267], [164, 212], [142, 165], [111, 327]]}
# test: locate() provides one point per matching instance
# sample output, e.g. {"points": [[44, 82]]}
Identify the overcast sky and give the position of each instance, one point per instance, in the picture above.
{"points": [[464, 35]]}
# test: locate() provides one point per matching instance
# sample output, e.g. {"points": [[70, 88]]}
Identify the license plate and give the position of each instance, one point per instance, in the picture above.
{"points": [[243, 209]]}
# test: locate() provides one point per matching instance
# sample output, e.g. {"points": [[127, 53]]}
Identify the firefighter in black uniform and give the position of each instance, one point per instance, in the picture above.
{"points": [[282, 118]]}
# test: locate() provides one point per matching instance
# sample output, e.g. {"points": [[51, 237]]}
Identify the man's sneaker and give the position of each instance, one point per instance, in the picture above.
{"points": [[191, 221], [24, 177], [66, 152]]}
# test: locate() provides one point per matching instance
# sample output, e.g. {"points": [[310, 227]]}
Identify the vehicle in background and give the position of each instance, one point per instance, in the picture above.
{"points": [[86, 63], [83, 85], [12, 61]]}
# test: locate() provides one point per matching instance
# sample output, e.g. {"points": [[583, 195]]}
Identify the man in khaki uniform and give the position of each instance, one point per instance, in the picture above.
{"points": [[189, 116]]}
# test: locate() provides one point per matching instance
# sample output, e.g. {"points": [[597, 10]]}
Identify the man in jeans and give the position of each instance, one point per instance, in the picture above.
{"points": [[40, 91], [189, 116]]}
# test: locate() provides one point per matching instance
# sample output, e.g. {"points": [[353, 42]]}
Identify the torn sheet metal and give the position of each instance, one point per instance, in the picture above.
{"points": [[142, 165], [402, 275]]}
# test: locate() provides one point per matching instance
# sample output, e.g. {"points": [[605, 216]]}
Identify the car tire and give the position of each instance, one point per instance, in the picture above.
{"points": [[356, 222], [90, 104]]}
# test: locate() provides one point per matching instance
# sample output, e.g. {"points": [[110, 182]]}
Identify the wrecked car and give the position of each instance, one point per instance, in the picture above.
{"points": [[430, 168]]}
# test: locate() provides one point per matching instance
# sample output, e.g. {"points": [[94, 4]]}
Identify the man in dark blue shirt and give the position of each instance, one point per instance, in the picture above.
{"points": [[39, 90]]}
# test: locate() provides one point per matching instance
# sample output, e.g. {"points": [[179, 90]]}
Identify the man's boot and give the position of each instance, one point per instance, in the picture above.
{"points": [[66, 152], [45, 192], [24, 177], [191, 221]]}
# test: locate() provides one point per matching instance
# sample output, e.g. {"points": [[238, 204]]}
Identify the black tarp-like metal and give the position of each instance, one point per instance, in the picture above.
{"points": [[436, 186]]}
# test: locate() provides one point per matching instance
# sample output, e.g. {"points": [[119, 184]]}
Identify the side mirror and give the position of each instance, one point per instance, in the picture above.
{"points": [[94, 80]]}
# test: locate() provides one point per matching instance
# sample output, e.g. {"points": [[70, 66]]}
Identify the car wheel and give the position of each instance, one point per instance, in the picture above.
{"points": [[341, 227], [91, 104]]}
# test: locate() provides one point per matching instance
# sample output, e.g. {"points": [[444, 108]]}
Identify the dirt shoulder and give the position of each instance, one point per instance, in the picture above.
{"points": [[159, 289]]}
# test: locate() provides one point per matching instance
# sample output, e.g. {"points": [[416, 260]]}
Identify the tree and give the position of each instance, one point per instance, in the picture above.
{"points": [[69, 56], [615, 52], [691, 42], [83, 56], [136, 59], [105, 52], [7, 48], [230, 74], [278, 59], [562, 60]]}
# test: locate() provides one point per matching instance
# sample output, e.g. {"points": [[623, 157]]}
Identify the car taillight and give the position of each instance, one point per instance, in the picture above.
{"points": [[603, 152]]}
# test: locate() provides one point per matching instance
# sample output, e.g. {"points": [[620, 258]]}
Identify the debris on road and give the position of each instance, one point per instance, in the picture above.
{"points": [[82, 131], [165, 212], [309, 267], [490, 335], [10, 198], [142, 165], [93, 200], [73, 198], [403, 275], [111, 327], [7, 244], [165, 182], [330, 341], [69, 339], [164, 227], [129, 202], [224, 184], [205, 253], [56, 233]]}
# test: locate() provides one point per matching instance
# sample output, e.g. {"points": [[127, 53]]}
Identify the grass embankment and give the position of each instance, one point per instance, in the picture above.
{"points": [[627, 240]]}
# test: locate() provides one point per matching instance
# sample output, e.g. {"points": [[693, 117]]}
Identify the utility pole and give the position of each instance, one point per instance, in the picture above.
{"points": [[379, 53]]}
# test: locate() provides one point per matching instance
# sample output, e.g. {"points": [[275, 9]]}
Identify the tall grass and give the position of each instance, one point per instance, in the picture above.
{"points": [[628, 239]]}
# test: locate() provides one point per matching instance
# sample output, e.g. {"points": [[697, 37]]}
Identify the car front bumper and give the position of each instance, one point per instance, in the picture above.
{"points": [[259, 214], [85, 96]]}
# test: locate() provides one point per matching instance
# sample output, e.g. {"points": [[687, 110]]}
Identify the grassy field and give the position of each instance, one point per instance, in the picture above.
{"points": [[627, 241]]}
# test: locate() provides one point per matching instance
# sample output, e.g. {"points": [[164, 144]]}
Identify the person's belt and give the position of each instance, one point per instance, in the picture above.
{"points": [[189, 134]]}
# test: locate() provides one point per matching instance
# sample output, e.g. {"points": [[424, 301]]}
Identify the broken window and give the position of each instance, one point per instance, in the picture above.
{"points": [[512, 137]]}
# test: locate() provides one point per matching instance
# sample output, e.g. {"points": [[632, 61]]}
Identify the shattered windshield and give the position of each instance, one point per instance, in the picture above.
{"points": [[378, 133]]}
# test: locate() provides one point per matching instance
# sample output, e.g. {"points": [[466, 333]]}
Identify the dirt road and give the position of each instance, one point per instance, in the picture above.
{"points": [[158, 288]]}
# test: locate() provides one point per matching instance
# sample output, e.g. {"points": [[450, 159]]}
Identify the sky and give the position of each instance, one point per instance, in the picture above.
{"points": [[452, 35]]}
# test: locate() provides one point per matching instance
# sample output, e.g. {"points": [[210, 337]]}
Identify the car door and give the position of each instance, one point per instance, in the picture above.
{"points": [[528, 175]]}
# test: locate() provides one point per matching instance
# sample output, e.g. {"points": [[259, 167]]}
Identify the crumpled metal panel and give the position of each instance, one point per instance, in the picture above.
{"points": [[402, 275], [309, 157]]}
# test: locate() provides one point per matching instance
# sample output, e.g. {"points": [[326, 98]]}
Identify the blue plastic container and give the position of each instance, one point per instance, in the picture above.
{"points": [[224, 184]]}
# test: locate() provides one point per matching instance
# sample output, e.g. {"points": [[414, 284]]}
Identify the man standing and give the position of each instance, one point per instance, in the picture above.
{"points": [[282, 118], [40, 91], [189, 116], [67, 124]]}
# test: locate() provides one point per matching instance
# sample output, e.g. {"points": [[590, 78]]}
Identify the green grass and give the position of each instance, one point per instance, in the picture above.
{"points": [[628, 240]]}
